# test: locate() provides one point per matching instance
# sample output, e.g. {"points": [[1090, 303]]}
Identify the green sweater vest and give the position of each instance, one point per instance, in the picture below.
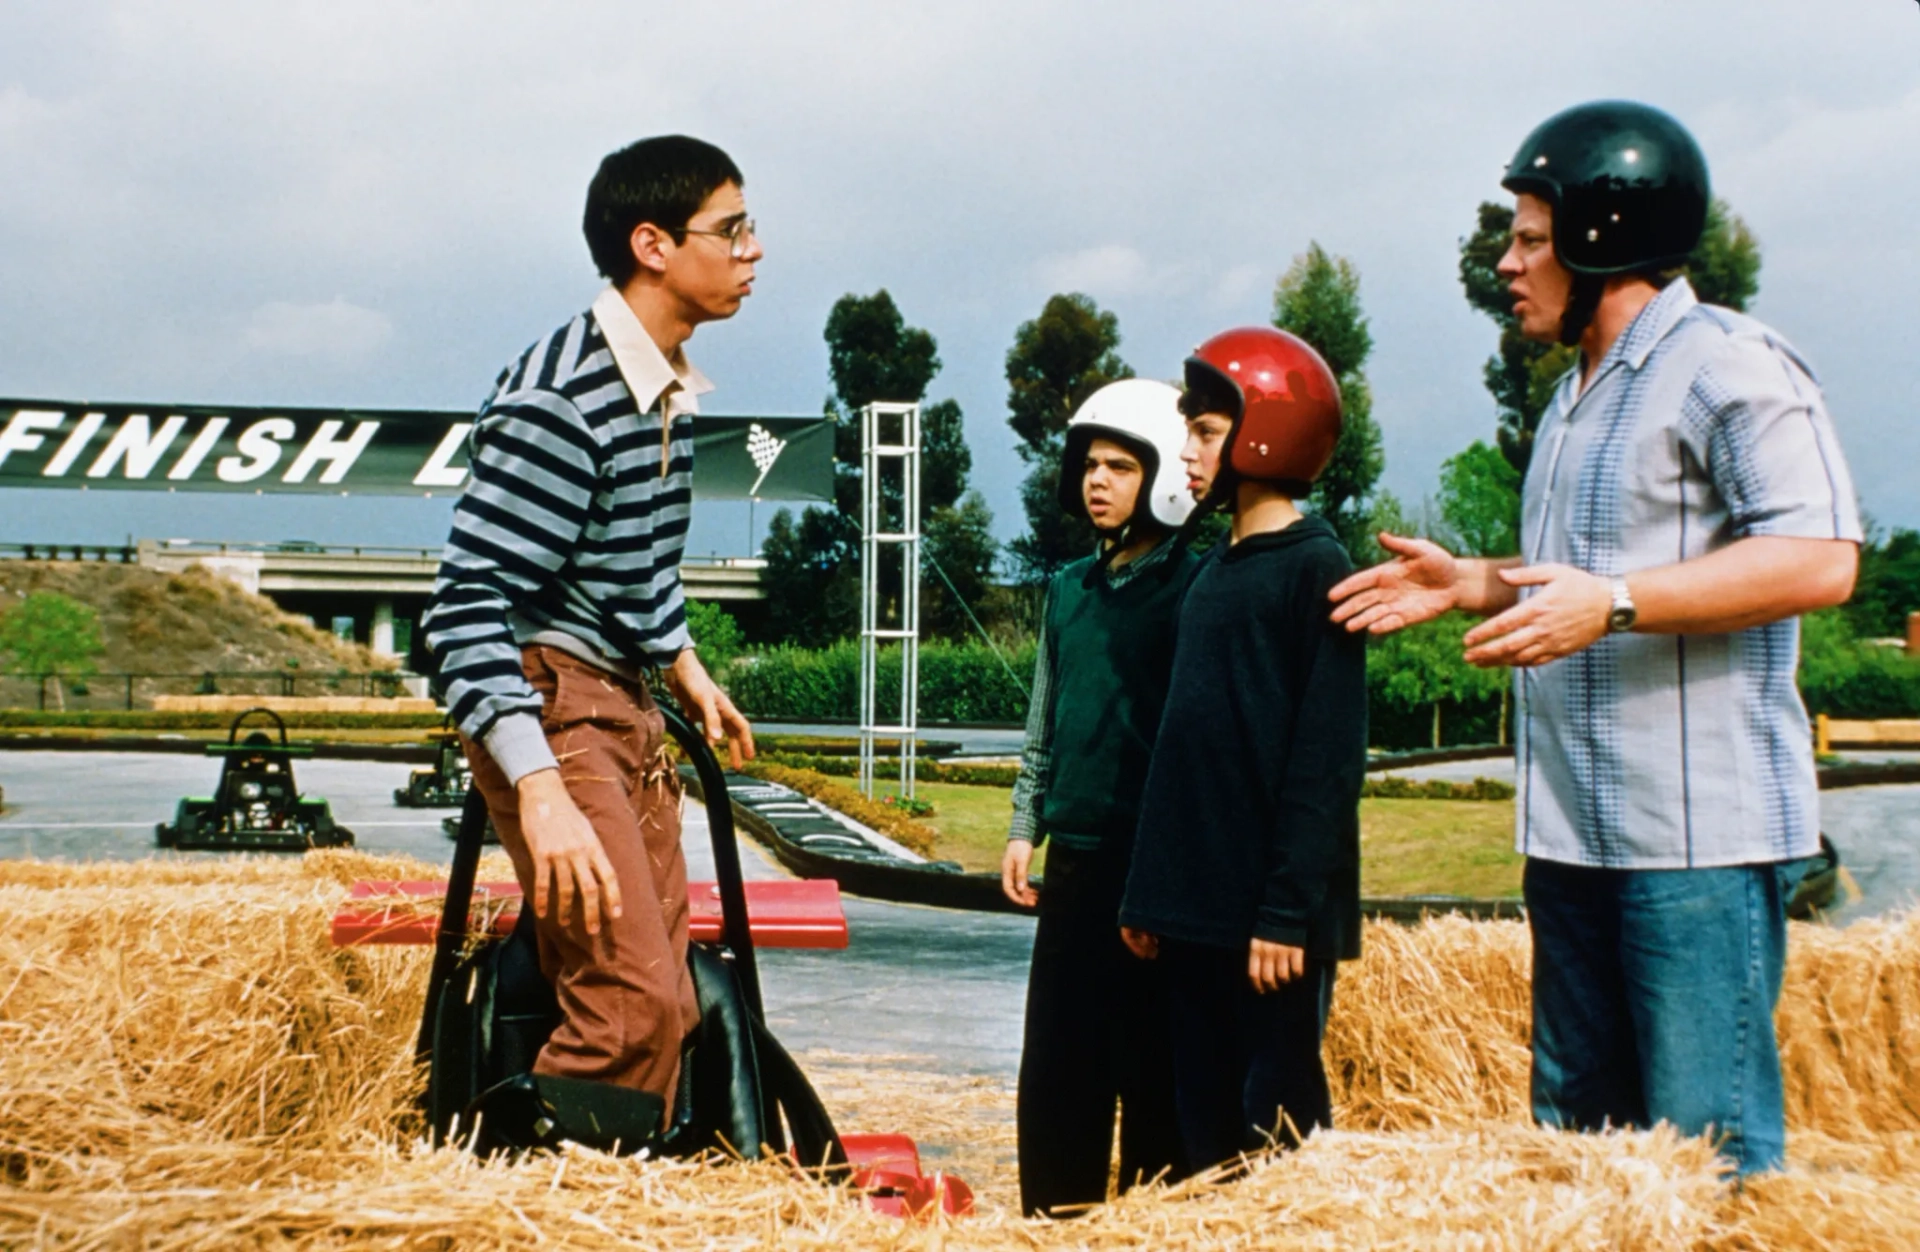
{"points": [[1112, 653]]}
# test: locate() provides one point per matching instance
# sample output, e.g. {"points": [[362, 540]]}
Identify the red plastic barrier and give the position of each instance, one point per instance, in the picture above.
{"points": [[781, 912], [887, 1168]]}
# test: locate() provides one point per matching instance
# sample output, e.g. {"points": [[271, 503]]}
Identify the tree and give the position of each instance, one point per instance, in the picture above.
{"points": [[959, 549], [1724, 268], [1425, 666], [1888, 587], [50, 635], [813, 562], [1057, 360], [716, 634], [1318, 299], [1480, 501]]}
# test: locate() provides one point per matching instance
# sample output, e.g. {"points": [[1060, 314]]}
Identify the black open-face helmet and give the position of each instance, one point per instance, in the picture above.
{"points": [[1627, 183]]}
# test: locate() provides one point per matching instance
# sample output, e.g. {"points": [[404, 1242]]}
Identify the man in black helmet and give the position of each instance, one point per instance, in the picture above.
{"points": [[1686, 501]]}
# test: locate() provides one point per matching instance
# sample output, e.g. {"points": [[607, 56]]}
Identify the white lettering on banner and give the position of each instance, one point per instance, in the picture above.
{"points": [[21, 433], [141, 446], [197, 450], [437, 472], [259, 446], [76, 444], [340, 454]]}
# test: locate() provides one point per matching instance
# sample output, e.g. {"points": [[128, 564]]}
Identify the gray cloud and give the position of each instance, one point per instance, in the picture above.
{"points": [[414, 174]]}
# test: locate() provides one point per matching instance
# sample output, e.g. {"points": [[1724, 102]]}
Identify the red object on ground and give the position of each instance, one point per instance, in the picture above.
{"points": [[887, 1168], [781, 912]]}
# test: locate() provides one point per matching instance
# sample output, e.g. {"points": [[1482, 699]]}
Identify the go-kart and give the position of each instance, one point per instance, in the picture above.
{"points": [[450, 826], [1820, 887], [256, 806], [489, 1010], [442, 785]]}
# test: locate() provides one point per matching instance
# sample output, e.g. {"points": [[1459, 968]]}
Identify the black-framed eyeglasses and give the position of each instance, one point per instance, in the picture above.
{"points": [[736, 236]]}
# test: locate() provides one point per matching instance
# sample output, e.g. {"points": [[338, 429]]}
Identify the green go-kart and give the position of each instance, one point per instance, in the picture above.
{"points": [[257, 807], [442, 785]]}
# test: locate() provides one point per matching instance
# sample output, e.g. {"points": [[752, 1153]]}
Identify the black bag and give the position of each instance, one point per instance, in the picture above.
{"points": [[490, 1010]]}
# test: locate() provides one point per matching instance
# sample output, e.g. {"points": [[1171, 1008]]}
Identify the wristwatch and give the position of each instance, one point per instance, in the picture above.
{"points": [[1621, 617]]}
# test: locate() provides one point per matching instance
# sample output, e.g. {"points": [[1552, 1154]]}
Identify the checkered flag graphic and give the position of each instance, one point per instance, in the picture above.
{"points": [[765, 450]]}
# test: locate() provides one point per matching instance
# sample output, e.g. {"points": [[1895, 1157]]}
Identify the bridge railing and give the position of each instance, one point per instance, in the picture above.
{"points": [[136, 690]]}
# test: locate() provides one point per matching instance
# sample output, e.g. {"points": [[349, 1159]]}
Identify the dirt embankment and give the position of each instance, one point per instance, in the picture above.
{"points": [[189, 623]]}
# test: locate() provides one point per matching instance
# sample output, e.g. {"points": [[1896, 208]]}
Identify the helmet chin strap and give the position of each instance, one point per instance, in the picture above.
{"points": [[1583, 301]]}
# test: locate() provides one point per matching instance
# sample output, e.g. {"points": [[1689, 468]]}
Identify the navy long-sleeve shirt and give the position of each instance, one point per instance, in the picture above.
{"points": [[1250, 827]]}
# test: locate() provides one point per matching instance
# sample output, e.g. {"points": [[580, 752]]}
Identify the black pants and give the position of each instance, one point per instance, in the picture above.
{"points": [[1240, 1059], [1097, 1033]]}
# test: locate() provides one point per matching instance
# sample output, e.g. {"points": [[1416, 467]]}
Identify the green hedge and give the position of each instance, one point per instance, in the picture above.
{"points": [[959, 682], [889, 767], [1839, 676], [148, 719], [1842, 677], [1436, 789], [1390, 788]]}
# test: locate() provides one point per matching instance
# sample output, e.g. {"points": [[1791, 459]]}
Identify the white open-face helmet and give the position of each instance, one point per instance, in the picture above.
{"points": [[1145, 416]]}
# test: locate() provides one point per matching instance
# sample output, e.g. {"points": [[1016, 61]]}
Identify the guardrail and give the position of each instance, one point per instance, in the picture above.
{"points": [[129, 553], [137, 689]]}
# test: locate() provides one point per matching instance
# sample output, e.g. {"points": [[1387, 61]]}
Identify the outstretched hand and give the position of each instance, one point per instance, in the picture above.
{"points": [[1419, 584], [1568, 612]]}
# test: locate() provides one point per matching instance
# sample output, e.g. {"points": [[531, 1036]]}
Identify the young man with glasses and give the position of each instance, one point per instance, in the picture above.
{"points": [[560, 589]]}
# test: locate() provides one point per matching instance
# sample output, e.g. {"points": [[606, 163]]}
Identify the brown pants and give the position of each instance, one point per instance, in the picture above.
{"points": [[626, 998]]}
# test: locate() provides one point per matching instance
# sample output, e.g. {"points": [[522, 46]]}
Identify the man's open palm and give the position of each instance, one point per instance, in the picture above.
{"points": [[1420, 583]]}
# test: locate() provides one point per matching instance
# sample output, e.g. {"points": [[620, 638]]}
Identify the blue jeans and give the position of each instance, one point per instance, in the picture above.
{"points": [[1653, 999]]}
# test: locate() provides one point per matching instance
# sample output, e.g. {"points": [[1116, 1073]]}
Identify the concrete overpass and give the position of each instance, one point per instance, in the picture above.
{"points": [[382, 589]]}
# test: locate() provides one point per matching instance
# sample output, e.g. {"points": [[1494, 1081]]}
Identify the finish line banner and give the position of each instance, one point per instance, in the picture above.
{"points": [[376, 452]]}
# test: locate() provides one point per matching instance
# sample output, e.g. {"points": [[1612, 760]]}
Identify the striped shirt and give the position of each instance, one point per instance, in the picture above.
{"points": [[571, 527], [1699, 427]]}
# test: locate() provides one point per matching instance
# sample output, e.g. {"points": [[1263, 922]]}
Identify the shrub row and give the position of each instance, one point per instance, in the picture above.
{"points": [[889, 767], [1843, 677], [1393, 788], [1388, 788], [1839, 676], [959, 682]]}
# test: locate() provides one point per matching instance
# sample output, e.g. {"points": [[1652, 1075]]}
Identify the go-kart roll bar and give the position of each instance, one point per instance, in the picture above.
{"points": [[735, 934], [233, 731]]}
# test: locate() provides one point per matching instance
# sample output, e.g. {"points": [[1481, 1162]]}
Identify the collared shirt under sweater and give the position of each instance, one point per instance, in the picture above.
{"points": [[571, 527]]}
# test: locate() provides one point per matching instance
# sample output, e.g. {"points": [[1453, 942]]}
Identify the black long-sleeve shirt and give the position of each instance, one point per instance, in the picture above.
{"points": [[1250, 827]]}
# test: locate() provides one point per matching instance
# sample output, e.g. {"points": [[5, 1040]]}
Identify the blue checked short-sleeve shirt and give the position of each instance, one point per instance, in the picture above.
{"points": [[1699, 427]]}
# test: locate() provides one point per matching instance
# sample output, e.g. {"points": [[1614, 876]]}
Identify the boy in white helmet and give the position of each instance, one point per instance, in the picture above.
{"points": [[1097, 1028]]}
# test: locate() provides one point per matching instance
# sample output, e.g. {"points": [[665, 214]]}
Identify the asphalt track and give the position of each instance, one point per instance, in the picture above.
{"points": [[946, 987], [943, 986]]}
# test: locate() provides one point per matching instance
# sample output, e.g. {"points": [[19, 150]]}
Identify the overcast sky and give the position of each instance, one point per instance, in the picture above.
{"points": [[332, 202]]}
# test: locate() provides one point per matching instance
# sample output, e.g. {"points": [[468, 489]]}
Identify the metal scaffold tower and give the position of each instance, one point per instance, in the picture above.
{"points": [[889, 589]]}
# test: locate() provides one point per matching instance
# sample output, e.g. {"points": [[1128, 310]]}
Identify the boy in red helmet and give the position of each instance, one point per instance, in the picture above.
{"points": [[1245, 879]]}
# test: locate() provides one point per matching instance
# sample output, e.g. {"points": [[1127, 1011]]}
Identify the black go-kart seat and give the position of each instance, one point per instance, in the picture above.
{"points": [[490, 1010]]}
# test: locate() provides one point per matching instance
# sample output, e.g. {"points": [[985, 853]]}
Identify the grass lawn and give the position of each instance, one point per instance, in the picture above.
{"points": [[1438, 847], [1407, 847]]}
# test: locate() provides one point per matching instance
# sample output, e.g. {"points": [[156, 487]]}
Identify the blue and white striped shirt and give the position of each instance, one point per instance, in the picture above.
{"points": [[571, 527], [1699, 427]]}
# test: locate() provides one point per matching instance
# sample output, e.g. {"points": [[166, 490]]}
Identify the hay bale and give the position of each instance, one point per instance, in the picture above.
{"points": [[186, 1062]]}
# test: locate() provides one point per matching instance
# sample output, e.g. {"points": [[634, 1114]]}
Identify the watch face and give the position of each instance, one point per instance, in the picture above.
{"points": [[1621, 619]]}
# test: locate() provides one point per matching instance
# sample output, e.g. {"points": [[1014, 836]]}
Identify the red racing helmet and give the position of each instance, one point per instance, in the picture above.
{"points": [[1284, 400]]}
